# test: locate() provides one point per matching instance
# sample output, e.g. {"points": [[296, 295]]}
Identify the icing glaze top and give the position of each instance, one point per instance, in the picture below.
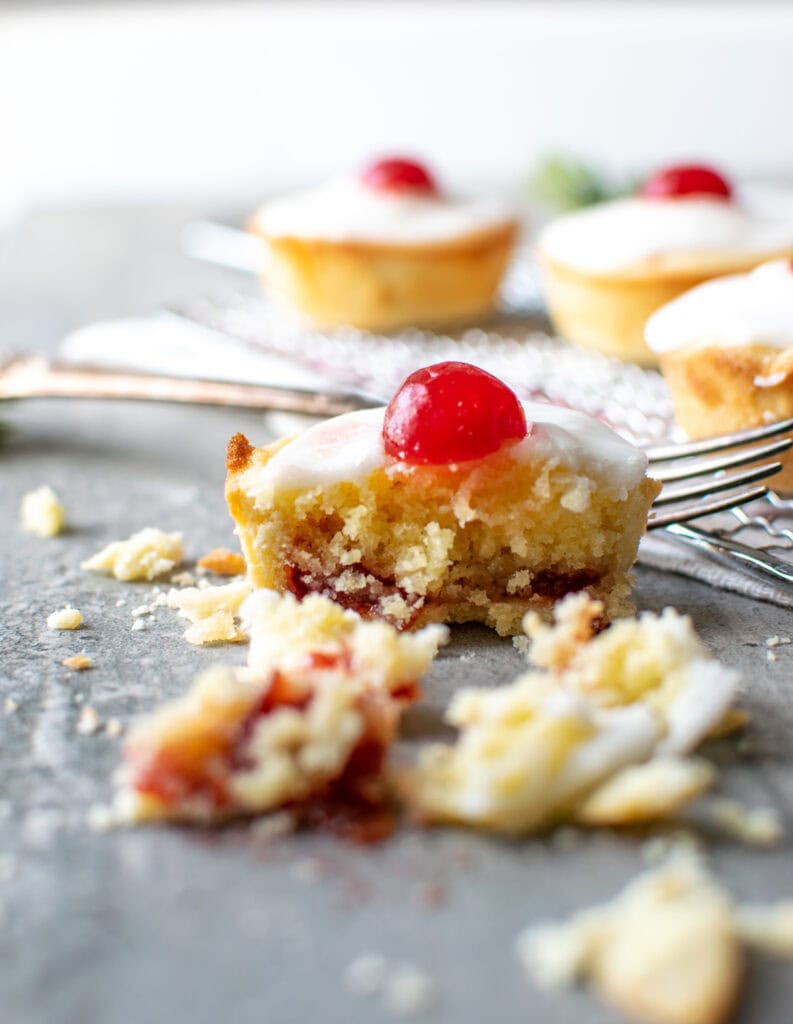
{"points": [[345, 210], [350, 448], [618, 235], [742, 309]]}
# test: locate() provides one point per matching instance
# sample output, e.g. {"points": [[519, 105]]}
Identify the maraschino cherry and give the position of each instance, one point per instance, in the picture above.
{"points": [[686, 180], [397, 174], [451, 412]]}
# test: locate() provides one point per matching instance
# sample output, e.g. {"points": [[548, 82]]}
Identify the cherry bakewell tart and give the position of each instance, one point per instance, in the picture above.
{"points": [[726, 351], [455, 503], [385, 249], [607, 268], [306, 726]]}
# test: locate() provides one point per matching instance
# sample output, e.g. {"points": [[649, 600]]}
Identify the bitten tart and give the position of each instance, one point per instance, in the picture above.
{"points": [[607, 268], [726, 351], [456, 503], [384, 250]]}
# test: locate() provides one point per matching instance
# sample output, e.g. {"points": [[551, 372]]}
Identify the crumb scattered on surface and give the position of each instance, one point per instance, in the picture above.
{"points": [[10, 705], [121, 602], [78, 662], [768, 928], [366, 974], [409, 991], [183, 579], [65, 618], [223, 562], [213, 611], [778, 641], [114, 727], [145, 555], [665, 951], [758, 826], [138, 626], [42, 513], [89, 721], [101, 817]]}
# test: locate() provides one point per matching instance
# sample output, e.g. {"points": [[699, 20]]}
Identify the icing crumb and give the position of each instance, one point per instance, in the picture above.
{"points": [[145, 555], [78, 662], [42, 513], [89, 722], [759, 826], [223, 562], [65, 618]]}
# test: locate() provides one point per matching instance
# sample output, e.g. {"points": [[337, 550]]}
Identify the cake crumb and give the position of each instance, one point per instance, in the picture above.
{"points": [[138, 626], [65, 618], [769, 928], [758, 826], [777, 641], [41, 512], [145, 555], [142, 609], [222, 562], [183, 579], [89, 722], [78, 662], [770, 656], [10, 706], [114, 727], [121, 602], [219, 628], [665, 950]]}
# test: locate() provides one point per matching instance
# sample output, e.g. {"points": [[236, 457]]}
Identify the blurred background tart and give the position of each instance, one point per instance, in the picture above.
{"points": [[385, 249], [607, 268], [726, 351]]}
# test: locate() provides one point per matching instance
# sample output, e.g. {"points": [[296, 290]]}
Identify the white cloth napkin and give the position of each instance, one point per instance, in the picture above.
{"points": [[169, 344]]}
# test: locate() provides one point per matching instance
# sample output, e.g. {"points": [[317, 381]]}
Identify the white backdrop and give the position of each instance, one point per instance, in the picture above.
{"points": [[225, 99]]}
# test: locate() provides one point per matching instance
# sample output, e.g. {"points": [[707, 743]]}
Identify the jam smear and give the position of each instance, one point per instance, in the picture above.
{"points": [[686, 180], [364, 602], [556, 585], [451, 412]]}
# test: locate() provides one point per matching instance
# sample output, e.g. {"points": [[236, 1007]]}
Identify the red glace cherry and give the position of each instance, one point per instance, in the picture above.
{"points": [[451, 412], [686, 180], [396, 174]]}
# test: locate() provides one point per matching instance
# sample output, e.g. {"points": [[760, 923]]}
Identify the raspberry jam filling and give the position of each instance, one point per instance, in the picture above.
{"points": [[451, 412], [686, 180], [356, 805], [398, 174]]}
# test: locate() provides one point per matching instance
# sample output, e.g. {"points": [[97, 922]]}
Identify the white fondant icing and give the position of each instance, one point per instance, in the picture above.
{"points": [[350, 447], [346, 210], [742, 309], [617, 235]]}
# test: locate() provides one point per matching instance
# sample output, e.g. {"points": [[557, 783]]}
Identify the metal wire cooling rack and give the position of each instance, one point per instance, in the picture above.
{"points": [[516, 346]]}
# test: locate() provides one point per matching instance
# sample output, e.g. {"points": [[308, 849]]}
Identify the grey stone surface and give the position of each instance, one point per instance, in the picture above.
{"points": [[178, 925]]}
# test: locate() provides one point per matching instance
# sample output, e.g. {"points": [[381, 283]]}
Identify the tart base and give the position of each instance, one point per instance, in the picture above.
{"points": [[480, 542], [380, 287], [717, 390]]}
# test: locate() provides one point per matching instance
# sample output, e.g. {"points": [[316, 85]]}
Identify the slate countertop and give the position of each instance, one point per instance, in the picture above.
{"points": [[178, 925]]}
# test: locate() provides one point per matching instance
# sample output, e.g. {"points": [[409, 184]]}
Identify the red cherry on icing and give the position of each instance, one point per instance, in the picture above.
{"points": [[451, 412], [686, 180], [395, 174]]}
